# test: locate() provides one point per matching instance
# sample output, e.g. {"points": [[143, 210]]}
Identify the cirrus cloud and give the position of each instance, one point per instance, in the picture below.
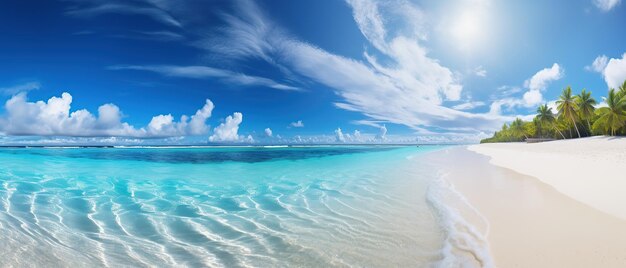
{"points": [[606, 5]]}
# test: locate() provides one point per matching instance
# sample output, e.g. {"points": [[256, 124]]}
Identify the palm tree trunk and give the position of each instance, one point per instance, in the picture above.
{"points": [[557, 130], [574, 121], [589, 125]]}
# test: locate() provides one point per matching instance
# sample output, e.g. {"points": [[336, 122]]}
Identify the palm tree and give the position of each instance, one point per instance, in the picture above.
{"points": [[517, 127], [545, 116], [586, 107], [538, 127], [613, 116], [567, 106], [622, 90], [504, 131]]}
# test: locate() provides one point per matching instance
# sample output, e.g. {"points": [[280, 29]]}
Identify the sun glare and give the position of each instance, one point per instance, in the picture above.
{"points": [[468, 29]]}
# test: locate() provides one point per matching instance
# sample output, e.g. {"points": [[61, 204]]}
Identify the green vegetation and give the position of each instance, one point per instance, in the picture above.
{"points": [[576, 116]]}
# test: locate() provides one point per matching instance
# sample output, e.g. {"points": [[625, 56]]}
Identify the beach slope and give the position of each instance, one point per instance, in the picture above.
{"points": [[590, 170], [529, 223]]}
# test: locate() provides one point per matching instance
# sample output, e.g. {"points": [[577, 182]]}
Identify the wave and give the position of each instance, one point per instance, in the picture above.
{"points": [[463, 242]]}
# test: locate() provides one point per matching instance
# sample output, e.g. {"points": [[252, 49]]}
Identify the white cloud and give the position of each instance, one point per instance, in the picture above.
{"points": [[540, 80], [538, 83], [601, 104], [399, 83], [468, 105], [506, 91], [268, 132], [201, 72], [339, 136], [598, 64], [615, 72], [148, 9], [356, 136], [228, 131], [297, 124], [382, 135], [532, 98], [197, 125], [606, 5], [370, 22], [480, 71], [55, 118], [165, 36], [12, 90], [76, 141], [164, 125]]}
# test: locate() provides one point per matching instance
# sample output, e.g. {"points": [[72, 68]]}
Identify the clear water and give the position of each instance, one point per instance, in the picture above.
{"points": [[218, 207]]}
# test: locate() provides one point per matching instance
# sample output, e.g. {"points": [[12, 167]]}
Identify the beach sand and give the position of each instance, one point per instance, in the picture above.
{"points": [[590, 170], [530, 223]]}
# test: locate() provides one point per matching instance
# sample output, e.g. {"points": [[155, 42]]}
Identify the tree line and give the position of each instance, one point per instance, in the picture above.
{"points": [[576, 116]]}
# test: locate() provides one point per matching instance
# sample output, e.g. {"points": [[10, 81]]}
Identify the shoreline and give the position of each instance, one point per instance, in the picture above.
{"points": [[530, 223]]}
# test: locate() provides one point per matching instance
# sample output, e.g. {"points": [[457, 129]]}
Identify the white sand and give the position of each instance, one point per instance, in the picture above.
{"points": [[590, 170], [530, 223]]}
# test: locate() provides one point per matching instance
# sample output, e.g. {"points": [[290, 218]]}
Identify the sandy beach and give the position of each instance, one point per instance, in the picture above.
{"points": [[590, 170], [538, 216]]}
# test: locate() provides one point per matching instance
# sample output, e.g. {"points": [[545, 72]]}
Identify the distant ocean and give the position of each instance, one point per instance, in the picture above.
{"points": [[361, 206]]}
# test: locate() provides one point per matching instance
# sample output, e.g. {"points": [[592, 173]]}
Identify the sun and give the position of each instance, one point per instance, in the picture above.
{"points": [[468, 29]]}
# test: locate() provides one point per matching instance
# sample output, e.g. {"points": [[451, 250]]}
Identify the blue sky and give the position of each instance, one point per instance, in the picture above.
{"points": [[355, 71]]}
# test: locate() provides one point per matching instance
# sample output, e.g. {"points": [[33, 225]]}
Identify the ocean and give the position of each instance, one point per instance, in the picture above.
{"points": [[317, 206]]}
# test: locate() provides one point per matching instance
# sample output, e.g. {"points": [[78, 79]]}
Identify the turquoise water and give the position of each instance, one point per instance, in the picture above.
{"points": [[218, 207]]}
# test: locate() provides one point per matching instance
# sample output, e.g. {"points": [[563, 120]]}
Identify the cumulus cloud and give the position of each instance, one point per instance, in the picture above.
{"points": [[540, 80], [606, 5], [533, 97], [357, 136], [339, 136], [54, 117], [615, 72], [612, 69], [268, 132], [598, 64], [197, 125], [228, 131], [297, 124], [165, 125]]}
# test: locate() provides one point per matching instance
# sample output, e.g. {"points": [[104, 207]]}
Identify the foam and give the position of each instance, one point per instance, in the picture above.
{"points": [[464, 243]]}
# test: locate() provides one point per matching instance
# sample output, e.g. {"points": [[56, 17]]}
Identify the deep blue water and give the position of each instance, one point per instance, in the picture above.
{"points": [[198, 155]]}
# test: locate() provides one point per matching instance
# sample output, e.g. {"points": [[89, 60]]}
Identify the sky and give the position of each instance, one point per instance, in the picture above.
{"points": [[99, 72]]}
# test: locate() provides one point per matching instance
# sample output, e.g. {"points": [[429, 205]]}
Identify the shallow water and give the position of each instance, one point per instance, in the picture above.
{"points": [[220, 207]]}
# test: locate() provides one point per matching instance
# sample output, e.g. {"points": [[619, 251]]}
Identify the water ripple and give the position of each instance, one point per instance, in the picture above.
{"points": [[77, 209]]}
